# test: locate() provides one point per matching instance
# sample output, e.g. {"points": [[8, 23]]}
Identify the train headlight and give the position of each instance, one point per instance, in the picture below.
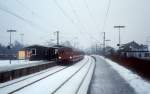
{"points": [[70, 57], [59, 57]]}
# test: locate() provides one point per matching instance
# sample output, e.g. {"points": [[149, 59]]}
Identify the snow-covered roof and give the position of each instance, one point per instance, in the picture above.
{"points": [[133, 46]]}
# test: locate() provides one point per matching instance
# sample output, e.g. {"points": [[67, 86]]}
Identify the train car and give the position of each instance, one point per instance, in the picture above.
{"points": [[68, 55], [61, 54], [51, 53]]}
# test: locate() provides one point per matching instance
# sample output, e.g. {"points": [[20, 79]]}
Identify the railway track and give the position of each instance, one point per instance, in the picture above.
{"points": [[26, 78], [89, 69], [77, 91], [14, 72], [33, 82], [68, 79]]}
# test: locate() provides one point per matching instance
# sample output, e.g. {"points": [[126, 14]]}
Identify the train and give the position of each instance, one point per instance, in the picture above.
{"points": [[63, 55], [68, 55]]}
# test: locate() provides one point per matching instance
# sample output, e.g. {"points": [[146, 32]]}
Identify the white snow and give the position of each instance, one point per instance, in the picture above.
{"points": [[17, 64], [4, 63], [73, 84], [85, 86], [140, 85], [7, 89], [49, 84]]}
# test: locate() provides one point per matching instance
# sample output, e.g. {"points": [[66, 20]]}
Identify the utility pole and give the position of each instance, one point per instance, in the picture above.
{"points": [[57, 32], [96, 49], [119, 29], [10, 45], [108, 40], [22, 38], [104, 43]]}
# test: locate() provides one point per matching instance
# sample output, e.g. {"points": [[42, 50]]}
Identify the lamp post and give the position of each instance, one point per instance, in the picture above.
{"points": [[10, 45]]}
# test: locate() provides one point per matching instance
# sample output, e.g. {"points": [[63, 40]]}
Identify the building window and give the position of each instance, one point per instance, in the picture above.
{"points": [[147, 54], [33, 51], [139, 55]]}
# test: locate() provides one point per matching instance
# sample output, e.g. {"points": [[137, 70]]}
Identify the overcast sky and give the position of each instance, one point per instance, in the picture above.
{"points": [[77, 20]]}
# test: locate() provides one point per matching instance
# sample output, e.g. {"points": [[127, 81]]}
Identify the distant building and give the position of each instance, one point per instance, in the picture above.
{"points": [[109, 50], [32, 52], [23, 54], [133, 49]]}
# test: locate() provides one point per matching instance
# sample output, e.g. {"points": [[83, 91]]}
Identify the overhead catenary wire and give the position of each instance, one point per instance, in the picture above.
{"points": [[26, 7], [91, 15], [29, 22], [106, 15], [78, 19], [31, 11], [67, 16]]}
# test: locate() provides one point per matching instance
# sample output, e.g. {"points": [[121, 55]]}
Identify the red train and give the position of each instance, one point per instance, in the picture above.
{"points": [[62, 54], [68, 55]]}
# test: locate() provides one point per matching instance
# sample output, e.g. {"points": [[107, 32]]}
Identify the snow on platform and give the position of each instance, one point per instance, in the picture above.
{"points": [[17, 64], [140, 85], [107, 81], [7, 87]]}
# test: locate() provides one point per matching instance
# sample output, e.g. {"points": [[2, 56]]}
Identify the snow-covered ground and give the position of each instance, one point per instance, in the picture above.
{"points": [[72, 86], [85, 85], [15, 86], [140, 85], [49, 84], [15, 62]]}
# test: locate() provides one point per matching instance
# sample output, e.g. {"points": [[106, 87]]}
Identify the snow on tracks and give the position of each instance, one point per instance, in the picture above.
{"points": [[75, 79]]}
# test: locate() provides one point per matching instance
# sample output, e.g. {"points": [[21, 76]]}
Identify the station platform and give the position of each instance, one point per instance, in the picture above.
{"points": [[108, 81], [20, 66]]}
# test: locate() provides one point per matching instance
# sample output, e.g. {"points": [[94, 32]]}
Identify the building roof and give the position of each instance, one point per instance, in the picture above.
{"points": [[133, 46]]}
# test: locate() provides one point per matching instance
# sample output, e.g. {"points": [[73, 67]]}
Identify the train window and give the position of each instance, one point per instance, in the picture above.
{"points": [[33, 51], [46, 52], [56, 51]]}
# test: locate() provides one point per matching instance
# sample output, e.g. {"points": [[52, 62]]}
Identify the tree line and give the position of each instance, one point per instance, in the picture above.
{"points": [[7, 52]]}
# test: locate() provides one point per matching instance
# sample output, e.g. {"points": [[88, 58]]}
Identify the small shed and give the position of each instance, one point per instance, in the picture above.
{"points": [[37, 52]]}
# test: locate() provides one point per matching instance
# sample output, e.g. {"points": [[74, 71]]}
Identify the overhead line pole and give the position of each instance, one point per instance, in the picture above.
{"points": [[119, 29], [104, 43], [22, 38], [57, 32]]}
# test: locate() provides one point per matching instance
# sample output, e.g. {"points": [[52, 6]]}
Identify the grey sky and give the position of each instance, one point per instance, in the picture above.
{"points": [[43, 17]]}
